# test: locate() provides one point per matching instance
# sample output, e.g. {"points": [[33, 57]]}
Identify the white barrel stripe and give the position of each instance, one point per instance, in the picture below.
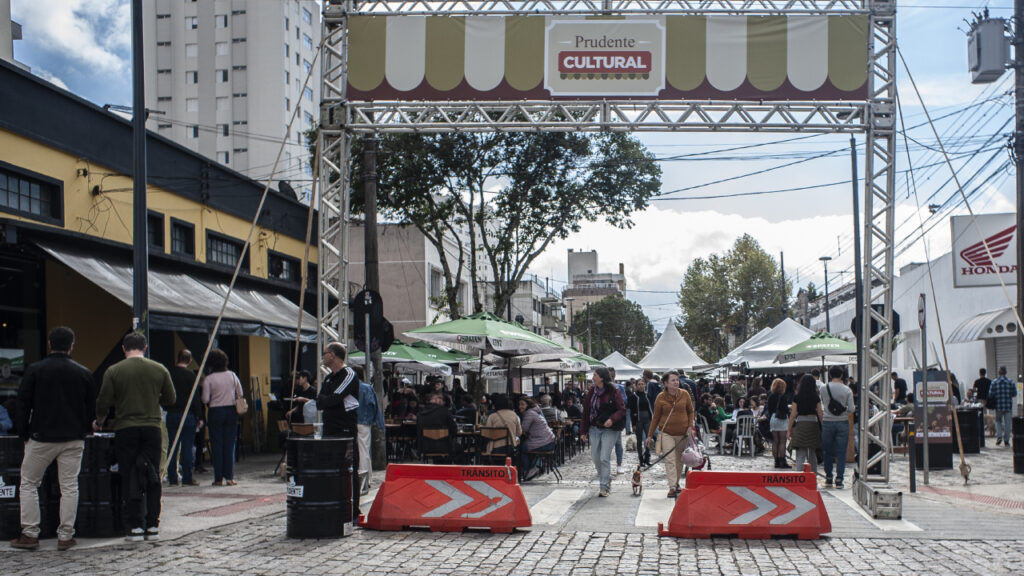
{"points": [[762, 505], [727, 51], [458, 499], [807, 51], [497, 498], [405, 53], [485, 51], [801, 505]]}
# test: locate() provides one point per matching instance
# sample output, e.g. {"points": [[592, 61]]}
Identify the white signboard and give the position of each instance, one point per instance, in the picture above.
{"points": [[608, 57], [973, 264]]}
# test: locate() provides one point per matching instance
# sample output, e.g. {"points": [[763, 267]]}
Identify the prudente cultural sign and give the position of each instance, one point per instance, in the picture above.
{"points": [[501, 58], [983, 253]]}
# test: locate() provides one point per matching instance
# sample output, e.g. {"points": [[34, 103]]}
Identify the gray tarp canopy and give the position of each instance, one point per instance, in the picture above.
{"points": [[178, 301]]}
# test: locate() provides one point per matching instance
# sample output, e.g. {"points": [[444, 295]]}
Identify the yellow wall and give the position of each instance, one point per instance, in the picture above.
{"points": [[98, 319], [108, 215], [254, 362]]}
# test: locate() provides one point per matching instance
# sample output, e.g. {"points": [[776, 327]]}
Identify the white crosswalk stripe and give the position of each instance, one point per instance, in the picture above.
{"points": [[654, 507], [555, 505]]}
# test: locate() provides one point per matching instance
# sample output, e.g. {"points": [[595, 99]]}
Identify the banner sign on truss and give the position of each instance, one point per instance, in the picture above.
{"points": [[973, 265], [504, 58]]}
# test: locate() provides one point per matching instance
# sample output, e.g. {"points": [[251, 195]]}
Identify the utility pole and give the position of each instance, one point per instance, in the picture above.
{"points": [[828, 323], [372, 278], [140, 231], [1018, 158], [782, 287]]}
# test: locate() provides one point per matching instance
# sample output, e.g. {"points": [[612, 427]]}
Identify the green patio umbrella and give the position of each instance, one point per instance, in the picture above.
{"points": [[820, 345], [418, 357], [485, 332]]}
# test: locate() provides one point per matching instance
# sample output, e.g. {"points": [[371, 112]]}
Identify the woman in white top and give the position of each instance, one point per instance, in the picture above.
{"points": [[220, 389]]}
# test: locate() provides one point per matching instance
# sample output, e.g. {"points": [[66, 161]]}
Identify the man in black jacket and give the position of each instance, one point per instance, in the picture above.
{"points": [[339, 401], [57, 401], [192, 414]]}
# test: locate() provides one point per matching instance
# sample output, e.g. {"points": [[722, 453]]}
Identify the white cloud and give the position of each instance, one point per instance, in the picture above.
{"points": [[46, 75], [94, 33]]}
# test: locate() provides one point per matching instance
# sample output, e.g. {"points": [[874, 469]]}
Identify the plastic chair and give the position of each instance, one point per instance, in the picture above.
{"points": [[745, 430], [706, 435]]}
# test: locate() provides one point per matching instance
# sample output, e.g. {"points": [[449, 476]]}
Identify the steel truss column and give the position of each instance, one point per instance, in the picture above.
{"points": [[334, 145], [879, 221]]}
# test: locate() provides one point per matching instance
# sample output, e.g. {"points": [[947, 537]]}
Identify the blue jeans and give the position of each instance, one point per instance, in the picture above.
{"points": [[1003, 420], [223, 430], [834, 438], [602, 441], [188, 440], [531, 460]]}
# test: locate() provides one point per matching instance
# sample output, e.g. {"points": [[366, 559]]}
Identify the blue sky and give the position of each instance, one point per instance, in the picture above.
{"points": [[84, 45]]}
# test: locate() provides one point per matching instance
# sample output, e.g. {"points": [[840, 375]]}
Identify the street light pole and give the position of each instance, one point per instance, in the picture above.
{"points": [[572, 339], [600, 345], [828, 324]]}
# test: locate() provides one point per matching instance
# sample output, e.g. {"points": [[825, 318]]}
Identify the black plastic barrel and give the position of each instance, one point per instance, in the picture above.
{"points": [[319, 487], [12, 450], [940, 455], [97, 514], [970, 429]]}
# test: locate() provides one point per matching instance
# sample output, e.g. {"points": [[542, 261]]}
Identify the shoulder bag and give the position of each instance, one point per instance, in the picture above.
{"points": [[241, 406], [835, 407]]}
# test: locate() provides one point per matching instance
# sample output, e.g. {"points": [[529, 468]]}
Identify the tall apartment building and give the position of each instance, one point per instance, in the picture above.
{"points": [[586, 284], [9, 32], [223, 78]]}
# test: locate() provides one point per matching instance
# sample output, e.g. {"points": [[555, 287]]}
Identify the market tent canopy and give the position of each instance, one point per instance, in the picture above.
{"points": [[624, 367], [670, 352], [733, 356], [761, 356], [179, 301]]}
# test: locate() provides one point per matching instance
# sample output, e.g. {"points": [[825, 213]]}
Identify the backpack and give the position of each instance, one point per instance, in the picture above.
{"points": [[835, 407]]}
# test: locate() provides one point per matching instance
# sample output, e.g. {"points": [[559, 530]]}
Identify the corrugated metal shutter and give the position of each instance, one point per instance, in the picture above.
{"points": [[1006, 355]]}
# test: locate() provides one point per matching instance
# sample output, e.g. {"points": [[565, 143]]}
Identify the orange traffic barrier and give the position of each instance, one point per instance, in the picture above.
{"points": [[449, 499], [749, 505]]}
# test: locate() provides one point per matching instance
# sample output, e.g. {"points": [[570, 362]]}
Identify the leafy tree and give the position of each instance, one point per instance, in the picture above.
{"points": [[506, 196], [624, 327], [739, 292], [812, 292]]}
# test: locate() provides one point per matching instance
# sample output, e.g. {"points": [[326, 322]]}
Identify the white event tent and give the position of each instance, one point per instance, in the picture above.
{"points": [[671, 352], [624, 367]]}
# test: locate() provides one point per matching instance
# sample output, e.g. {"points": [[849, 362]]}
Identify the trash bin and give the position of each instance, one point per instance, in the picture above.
{"points": [[12, 450], [319, 491], [971, 429], [97, 509]]}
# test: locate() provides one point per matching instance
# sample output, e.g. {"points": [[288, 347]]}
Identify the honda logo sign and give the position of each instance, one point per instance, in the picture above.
{"points": [[983, 253]]}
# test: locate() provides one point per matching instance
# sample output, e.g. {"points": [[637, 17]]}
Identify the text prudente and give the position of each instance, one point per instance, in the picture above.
{"points": [[605, 42]]}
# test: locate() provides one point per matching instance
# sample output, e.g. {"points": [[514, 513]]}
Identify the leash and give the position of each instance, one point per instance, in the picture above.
{"points": [[666, 454]]}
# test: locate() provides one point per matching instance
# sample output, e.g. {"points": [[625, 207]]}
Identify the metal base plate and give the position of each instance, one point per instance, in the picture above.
{"points": [[880, 500]]}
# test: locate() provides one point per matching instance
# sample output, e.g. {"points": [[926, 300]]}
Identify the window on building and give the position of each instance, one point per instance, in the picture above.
{"points": [[32, 196], [163, 71], [162, 16], [183, 238], [240, 94], [223, 103], [287, 51], [223, 49], [163, 126], [191, 22], [287, 78], [308, 117], [288, 104], [192, 130], [225, 251], [286, 23], [307, 42], [240, 150], [192, 104], [155, 230], [224, 157], [436, 283], [224, 129], [222, 76], [191, 50], [164, 43], [307, 17], [308, 93], [163, 98], [191, 77], [240, 123], [296, 32], [283, 267], [241, 67], [221, 20], [306, 66]]}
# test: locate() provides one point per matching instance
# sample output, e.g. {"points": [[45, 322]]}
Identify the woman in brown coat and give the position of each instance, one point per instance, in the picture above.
{"points": [[673, 417]]}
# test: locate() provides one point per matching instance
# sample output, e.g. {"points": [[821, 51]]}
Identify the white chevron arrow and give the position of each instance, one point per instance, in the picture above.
{"points": [[801, 506], [763, 505], [497, 498], [458, 499]]}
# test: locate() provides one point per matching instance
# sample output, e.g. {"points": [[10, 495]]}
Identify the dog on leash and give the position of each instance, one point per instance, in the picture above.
{"points": [[637, 481]]}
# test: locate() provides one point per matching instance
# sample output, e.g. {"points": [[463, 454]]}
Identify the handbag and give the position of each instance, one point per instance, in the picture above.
{"points": [[241, 406], [692, 456], [835, 407]]}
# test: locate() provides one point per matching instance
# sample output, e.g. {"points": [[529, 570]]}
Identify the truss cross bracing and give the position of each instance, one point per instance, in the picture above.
{"points": [[872, 115]]}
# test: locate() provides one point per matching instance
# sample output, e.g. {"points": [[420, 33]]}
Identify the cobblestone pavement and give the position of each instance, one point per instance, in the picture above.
{"points": [[960, 530]]}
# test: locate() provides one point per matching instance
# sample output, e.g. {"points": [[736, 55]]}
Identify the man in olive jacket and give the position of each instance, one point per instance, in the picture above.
{"points": [[136, 387], [56, 401]]}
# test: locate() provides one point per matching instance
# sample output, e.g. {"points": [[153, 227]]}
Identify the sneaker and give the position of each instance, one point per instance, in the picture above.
{"points": [[828, 482], [152, 533], [603, 494], [533, 473], [136, 535], [63, 545], [839, 484], [189, 483], [25, 542], [618, 469], [999, 441]]}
